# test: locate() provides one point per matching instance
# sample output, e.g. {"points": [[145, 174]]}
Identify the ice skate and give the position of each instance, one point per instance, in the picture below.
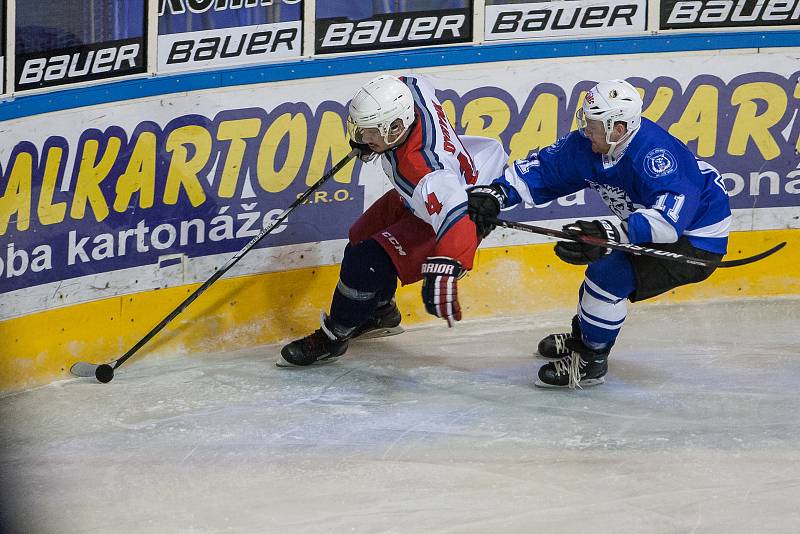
{"points": [[384, 322], [555, 345], [583, 367], [323, 346]]}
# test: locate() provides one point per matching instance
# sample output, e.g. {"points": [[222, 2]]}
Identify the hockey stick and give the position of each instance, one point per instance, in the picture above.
{"points": [[638, 250], [105, 372]]}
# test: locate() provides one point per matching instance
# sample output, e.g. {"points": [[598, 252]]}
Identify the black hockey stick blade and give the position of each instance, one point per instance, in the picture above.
{"points": [[751, 259], [638, 250], [105, 372], [87, 370]]}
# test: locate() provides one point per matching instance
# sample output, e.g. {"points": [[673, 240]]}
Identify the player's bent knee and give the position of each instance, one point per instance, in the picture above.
{"points": [[367, 267], [613, 273]]}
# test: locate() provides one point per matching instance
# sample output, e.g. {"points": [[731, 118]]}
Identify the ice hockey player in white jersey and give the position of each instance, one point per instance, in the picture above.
{"points": [[419, 230], [660, 192]]}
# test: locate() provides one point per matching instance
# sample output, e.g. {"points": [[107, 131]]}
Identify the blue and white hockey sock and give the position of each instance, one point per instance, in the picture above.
{"points": [[602, 305]]}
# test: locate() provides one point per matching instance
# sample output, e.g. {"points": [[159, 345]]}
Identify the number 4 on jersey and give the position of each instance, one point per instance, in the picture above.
{"points": [[433, 204]]}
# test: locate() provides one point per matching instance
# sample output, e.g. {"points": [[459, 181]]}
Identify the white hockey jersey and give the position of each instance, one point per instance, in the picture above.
{"points": [[433, 167]]}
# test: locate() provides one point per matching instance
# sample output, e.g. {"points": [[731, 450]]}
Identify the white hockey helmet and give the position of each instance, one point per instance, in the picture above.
{"points": [[611, 102], [378, 104]]}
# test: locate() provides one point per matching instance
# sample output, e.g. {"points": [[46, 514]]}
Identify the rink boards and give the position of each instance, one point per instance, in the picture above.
{"points": [[112, 214]]}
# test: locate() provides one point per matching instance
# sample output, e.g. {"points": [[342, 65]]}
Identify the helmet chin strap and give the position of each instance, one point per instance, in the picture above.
{"points": [[615, 147], [397, 138], [391, 143]]}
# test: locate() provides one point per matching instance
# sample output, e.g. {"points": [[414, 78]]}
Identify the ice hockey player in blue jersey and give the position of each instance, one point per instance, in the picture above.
{"points": [[661, 194]]}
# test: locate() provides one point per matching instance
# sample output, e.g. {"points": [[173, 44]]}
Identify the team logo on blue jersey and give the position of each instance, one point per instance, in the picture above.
{"points": [[616, 199], [659, 162]]}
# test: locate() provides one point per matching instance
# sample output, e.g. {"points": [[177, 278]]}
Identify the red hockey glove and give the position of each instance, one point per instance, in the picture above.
{"points": [[439, 289]]}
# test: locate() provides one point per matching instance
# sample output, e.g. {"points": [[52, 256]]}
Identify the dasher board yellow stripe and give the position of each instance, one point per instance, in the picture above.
{"points": [[268, 308]]}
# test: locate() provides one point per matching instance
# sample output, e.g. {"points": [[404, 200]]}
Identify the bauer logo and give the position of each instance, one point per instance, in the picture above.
{"points": [[79, 64], [229, 46], [676, 14], [555, 19], [417, 28]]}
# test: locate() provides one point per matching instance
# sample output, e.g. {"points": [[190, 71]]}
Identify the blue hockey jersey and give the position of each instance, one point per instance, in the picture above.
{"points": [[656, 185]]}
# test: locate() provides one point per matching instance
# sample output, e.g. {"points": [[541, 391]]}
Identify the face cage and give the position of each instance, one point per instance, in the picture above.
{"points": [[356, 132], [582, 121]]}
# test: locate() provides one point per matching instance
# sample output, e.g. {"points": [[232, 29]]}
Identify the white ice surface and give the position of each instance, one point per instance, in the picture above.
{"points": [[436, 430]]}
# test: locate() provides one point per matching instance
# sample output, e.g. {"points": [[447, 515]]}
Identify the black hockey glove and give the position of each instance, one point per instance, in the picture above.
{"points": [[439, 288], [483, 205], [366, 154], [581, 253]]}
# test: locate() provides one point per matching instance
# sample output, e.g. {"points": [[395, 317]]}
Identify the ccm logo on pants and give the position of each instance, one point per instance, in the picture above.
{"points": [[395, 243]]}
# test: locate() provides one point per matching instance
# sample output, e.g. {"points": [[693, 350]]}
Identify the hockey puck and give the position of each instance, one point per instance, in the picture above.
{"points": [[104, 373]]}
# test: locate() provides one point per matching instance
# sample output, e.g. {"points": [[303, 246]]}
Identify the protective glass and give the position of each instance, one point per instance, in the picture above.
{"points": [[580, 120], [355, 131], [389, 135]]}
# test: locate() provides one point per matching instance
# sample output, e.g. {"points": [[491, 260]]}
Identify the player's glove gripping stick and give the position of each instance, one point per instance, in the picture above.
{"points": [[582, 253], [639, 250], [484, 203]]}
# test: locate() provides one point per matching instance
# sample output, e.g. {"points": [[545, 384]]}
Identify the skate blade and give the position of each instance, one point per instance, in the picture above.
{"points": [[587, 383], [380, 332], [283, 364]]}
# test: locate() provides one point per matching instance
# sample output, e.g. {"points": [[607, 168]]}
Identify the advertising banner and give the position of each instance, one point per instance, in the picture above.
{"points": [[91, 200], [195, 34], [69, 42], [339, 29], [2, 46], [80, 64], [700, 14], [564, 18]]}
